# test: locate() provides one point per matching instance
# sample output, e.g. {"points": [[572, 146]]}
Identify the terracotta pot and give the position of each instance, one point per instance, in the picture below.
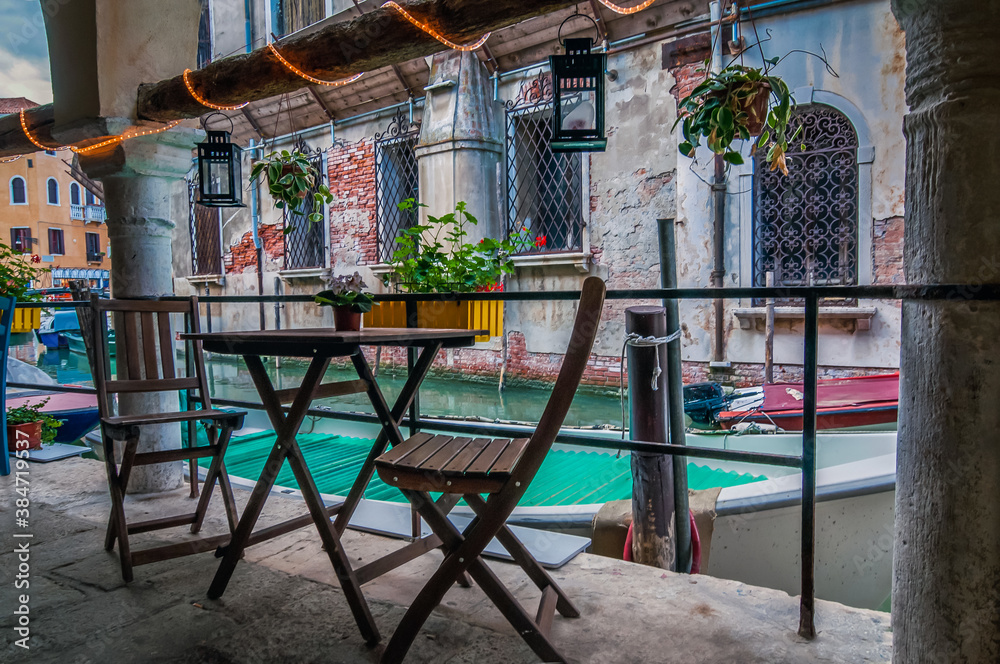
{"points": [[345, 320], [756, 109], [30, 432]]}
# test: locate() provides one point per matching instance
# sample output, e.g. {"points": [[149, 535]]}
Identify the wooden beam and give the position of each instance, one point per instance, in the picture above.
{"points": [[380, 38]]}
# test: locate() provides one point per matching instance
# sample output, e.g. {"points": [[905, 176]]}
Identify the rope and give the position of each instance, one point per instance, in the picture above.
{"points": [[639, 341]]}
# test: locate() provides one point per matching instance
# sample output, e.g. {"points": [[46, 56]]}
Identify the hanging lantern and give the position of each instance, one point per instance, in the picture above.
{"points": [[220, 181], [578, 97]]}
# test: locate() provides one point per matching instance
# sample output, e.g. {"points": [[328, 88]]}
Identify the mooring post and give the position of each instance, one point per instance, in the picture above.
{"points": [[653, 526]]}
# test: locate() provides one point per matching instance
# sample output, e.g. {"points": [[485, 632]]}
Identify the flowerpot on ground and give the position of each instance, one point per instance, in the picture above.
{"points": [[30, 432], [345, 319]]}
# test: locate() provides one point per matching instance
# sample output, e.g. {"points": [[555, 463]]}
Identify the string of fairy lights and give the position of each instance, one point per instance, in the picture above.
{"points": [[423, 26]]}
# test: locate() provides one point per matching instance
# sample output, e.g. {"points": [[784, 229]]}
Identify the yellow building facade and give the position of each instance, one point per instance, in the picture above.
{"points": [[44, 211]]}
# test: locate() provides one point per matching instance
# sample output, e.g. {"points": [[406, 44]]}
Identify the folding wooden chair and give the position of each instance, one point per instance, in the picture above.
{"points": [[503, 469], [145, 363]]}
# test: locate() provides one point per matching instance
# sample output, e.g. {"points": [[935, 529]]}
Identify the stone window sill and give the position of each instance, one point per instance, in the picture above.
{"points": [[579, 260], [312, 273], [753, 317], [207, 279]]}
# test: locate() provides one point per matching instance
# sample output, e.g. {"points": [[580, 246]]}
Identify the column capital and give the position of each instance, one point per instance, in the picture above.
{"points": [[164, 155]]}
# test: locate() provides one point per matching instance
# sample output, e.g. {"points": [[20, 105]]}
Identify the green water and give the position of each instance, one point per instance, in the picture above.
{"points": [[229, 379]]}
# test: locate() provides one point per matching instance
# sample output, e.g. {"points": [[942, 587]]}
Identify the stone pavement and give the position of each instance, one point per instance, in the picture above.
{"points": [[283, 604]]}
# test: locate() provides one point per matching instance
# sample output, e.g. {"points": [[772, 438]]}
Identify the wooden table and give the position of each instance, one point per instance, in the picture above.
{"points": [[321, 345]]}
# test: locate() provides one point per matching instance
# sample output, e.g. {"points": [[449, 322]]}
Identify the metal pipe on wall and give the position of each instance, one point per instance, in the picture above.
{"points": [[719, 187], [675, 394]]}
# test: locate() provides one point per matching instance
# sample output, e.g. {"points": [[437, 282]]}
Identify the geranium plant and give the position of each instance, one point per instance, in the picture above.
{"points": [[291, 179], [346, 291], [17, 271], [736, 103], [31, 413], [435, 258]]}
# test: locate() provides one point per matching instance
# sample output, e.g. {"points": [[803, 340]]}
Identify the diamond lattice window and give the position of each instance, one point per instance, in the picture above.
{"points": [[204, 224], [305, 241], [805, 224], [544, 188], [396, 179]]}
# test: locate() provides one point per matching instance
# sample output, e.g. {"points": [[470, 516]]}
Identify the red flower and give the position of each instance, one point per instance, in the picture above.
{"points": [[540, 241], [35, 258]]}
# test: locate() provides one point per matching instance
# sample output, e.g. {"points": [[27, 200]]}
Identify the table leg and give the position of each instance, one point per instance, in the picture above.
{"points": [[389, 418], [285, 427]]}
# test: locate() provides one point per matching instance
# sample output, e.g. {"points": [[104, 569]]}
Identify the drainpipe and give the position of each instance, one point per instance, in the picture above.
{"points": [[718, 206], [254, 223]]}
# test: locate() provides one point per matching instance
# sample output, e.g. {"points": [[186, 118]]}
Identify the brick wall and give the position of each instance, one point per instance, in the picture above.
{"points": [[353, 238], [887, 251], [242, 256], [685, 59]]}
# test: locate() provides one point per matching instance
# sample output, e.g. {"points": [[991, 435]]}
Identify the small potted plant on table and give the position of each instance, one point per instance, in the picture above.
{"points": [[734, 104], [28, 427], [349, 300]]}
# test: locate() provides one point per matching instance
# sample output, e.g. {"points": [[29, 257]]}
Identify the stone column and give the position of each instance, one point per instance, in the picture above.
{"points": [[460, 151], [946, 594], [145, 193]]}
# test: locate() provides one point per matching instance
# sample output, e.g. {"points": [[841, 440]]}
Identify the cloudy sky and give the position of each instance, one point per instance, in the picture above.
{"points": [[24, 55]]}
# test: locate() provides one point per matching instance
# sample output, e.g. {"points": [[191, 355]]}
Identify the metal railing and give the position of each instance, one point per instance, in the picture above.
{"points": [[806, 462]]}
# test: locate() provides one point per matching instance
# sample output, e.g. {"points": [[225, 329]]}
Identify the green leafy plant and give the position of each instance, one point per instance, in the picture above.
{"points": [[17, 270], [346, 291], [734, 104], [290, 179], [33, 413], [434, 257]]}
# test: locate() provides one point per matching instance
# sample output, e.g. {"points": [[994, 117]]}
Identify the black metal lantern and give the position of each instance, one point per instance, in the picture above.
{"points": [[578, 97], [220, 180]]}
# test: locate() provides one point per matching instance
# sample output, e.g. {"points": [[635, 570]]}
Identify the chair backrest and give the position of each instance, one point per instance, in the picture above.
{"points": [[6, 319], [144, 353], [581, 343]]}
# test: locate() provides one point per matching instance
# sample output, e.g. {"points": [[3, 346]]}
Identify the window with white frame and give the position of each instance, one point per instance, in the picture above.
{"points": [[74, 194], [52, 191], [805, 224], [56, 245], [544, 188], [18, 191]]}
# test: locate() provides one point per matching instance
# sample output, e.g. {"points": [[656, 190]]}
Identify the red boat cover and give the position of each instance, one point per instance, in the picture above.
{"points": [[833, 393], [57, 401]]}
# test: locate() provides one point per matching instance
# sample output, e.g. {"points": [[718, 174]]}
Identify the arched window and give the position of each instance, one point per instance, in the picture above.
{"points": [[74, 194], [91, 199], [18, 191], [52, 191], [805, 224]]}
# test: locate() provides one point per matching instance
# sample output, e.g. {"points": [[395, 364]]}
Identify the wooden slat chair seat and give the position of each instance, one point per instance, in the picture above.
{"points": [[145, 363], [451, 464], [502, 468]]}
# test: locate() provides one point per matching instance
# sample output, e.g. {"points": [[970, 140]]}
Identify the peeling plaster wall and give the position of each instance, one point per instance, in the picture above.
{"points": [[866, 47]]}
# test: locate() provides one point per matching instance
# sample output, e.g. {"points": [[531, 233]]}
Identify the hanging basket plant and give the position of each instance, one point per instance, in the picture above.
{"points": [[736, 104], [291, 179]]}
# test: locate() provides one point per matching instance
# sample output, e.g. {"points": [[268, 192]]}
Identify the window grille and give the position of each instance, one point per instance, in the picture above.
{"points": [[396, 179], [805, 224], [544, 188], [305, 241], [204, 224]]}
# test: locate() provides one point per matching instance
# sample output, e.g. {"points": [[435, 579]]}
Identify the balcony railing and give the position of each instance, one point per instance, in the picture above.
{"points": [[94, 257], [76, 212], [96, 213]]}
